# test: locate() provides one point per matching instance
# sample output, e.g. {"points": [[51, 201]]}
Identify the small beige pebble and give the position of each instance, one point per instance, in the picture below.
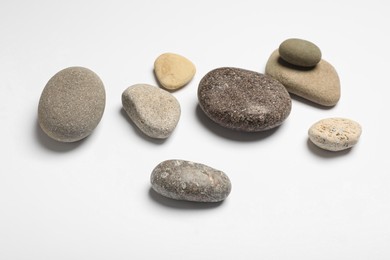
{"points": [[335, 134], [173, 71]]}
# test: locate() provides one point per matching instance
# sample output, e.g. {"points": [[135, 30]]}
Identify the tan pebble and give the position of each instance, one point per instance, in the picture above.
{"points": [[173, 71], [335, 134]]}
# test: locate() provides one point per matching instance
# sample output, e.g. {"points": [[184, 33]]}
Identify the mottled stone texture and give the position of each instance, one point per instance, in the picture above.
{"points": [[335, 134], [185, 180], [300, 52], [243, 100], [154, 111], [71, 104]]}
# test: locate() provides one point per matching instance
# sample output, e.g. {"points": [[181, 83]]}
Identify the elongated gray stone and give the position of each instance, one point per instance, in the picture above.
{"points": [[243, 100], [185, 180], [300, 52], [71, 104]]}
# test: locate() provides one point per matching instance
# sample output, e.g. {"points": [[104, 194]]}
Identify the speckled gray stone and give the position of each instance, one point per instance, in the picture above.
{"points": [[335, 134], [185, 180], [155, 111], [300, 52], [71, 104], [243, 100]]}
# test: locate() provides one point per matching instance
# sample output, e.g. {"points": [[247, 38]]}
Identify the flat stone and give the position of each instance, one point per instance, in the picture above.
{"points": [[153, 110], [185, 180], [300, 52], [335, 134], [173, 71], [71, 104], [319, 84], [243, 100]]}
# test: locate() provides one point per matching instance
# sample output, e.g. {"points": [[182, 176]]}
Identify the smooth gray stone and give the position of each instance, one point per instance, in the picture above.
{"points": [[71, 104], [185, 180], [243, 100], [300, 52]]}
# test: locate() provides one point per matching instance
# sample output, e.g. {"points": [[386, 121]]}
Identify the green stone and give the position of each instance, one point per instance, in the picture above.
{"points": [[300, 52]]}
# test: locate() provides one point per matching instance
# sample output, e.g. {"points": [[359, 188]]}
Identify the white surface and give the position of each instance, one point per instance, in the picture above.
{"points": [[92, 200]]}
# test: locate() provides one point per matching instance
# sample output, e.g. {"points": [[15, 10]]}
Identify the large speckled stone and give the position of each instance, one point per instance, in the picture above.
{"points": [[153, 110], [173, 71], [300, 52], [243, 100], [319, 84], [335, 134], [71, 104], [185, 180]]}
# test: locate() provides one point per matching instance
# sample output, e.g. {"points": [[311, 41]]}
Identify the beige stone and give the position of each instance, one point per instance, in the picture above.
{"points": [[335, 134], [173, 71], [319, 84]]}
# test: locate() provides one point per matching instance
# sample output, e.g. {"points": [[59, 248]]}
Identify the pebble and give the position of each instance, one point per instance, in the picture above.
{"points": [[243, 100], [173, 71], [71, 104], [185, 180], [335, 134], [300, 52], [153, 110], [320, 84]]}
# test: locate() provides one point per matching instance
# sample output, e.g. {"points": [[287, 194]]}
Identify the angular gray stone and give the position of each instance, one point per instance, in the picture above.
{"points": [[300, 52], [185, 180], [71, 104], [243, 100], [154, 111]]}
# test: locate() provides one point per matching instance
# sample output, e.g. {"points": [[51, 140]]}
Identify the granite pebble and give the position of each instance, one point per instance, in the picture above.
{"points": [[173, 71], [320, 84], [335, 134], [300, 52], [71, 104], [243, 100], [190, 181], [153, 110]]}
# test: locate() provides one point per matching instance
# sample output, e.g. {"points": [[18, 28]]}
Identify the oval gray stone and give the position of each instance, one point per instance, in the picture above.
{"points": [[300, 52], [71, 104], [154, 111], [335, 134], [185, 180], [243, 100]]}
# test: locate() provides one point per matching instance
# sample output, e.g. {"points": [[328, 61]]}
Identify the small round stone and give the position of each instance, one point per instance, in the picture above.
{"points": [[335, 134], [300, 52], [71, 104], [153, 110], [190, 181], [243, 100], [173, 71]]}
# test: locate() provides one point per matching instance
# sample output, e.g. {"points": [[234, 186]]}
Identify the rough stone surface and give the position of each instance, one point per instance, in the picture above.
{"points": [[71, 104], [154, 111], [335, 134], [185, 180], [243, 100], [300, 52], [319, 84], [173, 71]]}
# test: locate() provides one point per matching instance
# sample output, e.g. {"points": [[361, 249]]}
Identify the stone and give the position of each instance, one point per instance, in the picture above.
{"points": [[335, 134], [173, 71], [71, 104], [300, 52], [243, 100], [153, 110], [319, 84], [185, 180]]}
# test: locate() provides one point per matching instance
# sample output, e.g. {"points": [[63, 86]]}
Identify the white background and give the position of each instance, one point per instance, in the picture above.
{"points": [[290, 200]]}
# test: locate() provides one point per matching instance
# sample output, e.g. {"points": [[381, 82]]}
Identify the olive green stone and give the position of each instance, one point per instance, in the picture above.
{"points": [[300, 52]]}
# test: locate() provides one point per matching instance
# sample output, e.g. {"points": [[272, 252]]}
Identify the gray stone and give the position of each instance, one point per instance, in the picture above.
{"points": [[300, 52], [154, 111], [319, 84], [243, 100], [185, 180], [71, 104], [335, 134]]}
